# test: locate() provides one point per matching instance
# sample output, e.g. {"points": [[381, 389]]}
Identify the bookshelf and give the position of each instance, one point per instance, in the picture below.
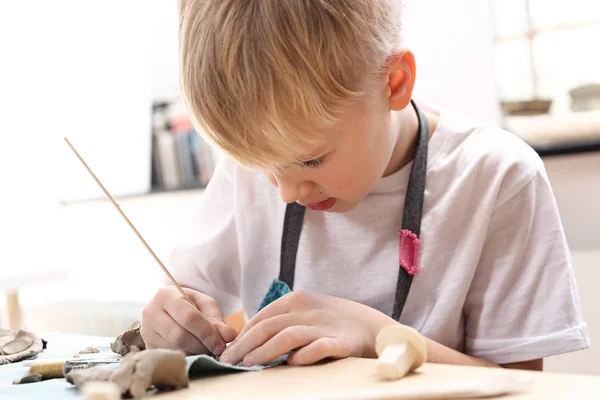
{"points": [[180, 158]]}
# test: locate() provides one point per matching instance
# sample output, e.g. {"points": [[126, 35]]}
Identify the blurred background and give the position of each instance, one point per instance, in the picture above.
{"points": [[104, 74]]}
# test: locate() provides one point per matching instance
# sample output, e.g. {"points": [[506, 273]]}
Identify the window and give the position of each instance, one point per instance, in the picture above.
{"points": [[545, 48]]}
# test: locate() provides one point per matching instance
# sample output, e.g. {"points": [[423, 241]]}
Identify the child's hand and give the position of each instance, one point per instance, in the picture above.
{"points": [[170, 321], [315, 326]]}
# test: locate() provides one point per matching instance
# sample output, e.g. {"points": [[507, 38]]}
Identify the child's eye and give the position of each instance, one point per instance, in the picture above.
{"points": [[314, 163]]}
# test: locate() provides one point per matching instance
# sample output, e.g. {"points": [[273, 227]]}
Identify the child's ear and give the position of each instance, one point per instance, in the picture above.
{"points": [[401, 71]]}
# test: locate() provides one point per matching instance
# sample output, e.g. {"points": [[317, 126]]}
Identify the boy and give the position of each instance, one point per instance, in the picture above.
{"points": [[311, 102]]}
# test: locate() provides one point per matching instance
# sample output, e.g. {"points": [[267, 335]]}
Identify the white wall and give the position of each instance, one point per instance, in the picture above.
{"points": [[164, 81], [452, 45], [68, 68], [576, 183], [76, 69]]}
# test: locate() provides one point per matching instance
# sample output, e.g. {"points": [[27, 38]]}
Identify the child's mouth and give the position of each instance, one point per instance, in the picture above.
{"points": [[323, 205]]}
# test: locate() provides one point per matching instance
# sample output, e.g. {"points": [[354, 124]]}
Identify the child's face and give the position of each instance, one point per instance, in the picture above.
{"points": [[358, 151]]}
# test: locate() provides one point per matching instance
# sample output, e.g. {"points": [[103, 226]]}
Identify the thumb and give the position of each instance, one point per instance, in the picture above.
{"points": [[205, 304], [227, 332], [211, 311]]}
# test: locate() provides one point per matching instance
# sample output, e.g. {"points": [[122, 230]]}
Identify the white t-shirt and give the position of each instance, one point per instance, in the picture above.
{"points": [[495, 278]]}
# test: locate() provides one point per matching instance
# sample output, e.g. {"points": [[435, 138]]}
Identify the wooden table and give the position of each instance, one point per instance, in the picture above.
{"points": [[354, 378]]}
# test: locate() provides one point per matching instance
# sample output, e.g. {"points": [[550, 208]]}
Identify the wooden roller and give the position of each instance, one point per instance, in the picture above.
{"points": [[401, 349], [48, 370]]}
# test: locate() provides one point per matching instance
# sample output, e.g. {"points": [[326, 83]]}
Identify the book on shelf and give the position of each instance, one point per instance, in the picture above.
{"points": [[181, 158]]}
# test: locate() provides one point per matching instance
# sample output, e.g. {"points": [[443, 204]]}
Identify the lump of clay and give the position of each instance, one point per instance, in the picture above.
{"points": [[138, 372], [18, 345], [89, 350], [128, 341], [78, 377], [162, 368]]}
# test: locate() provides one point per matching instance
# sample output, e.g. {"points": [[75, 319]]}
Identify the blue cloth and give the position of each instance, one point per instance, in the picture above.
{"points": [[276, 290]]}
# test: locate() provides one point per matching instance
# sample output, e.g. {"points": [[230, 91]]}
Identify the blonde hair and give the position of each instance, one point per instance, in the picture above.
{"points": [[261, 78]]}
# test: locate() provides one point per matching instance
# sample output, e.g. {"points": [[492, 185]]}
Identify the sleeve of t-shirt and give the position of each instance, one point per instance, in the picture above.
{"points": [[208, 260], [523, 302]]}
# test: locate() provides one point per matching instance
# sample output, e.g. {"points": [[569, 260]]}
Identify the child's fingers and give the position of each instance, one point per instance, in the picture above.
{"points": [[195, 322], [210, 309], [154, 340], [151, 338], [206, 304], [276, 308], [290, 338], [257, 336], [324, 347], [177, 336], [228, 333]]}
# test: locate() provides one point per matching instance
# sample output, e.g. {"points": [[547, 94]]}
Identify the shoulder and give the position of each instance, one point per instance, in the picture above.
{"points": [[491, 158]]}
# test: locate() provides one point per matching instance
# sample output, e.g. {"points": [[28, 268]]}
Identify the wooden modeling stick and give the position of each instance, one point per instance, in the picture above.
{"points": [[401, 349], [114, 203]]}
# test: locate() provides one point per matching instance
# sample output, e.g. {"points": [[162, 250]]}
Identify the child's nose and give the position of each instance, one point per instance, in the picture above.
{"points": [[291, 191]]}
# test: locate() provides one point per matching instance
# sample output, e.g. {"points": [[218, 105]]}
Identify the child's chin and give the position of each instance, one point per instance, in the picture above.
{"points": [[342, 207]]}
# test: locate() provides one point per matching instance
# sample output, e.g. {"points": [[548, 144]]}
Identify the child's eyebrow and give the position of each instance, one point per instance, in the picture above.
{"points": [[309, 156], [293, 165], [316, 154]]}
